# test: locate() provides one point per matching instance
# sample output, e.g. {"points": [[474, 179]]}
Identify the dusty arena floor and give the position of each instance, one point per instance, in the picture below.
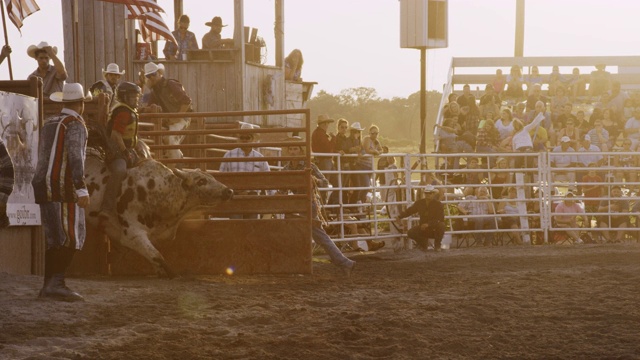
{"points": [[542, 302]]}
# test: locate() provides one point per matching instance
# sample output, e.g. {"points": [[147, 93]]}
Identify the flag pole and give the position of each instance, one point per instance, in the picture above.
{"points": [[6, 41]]}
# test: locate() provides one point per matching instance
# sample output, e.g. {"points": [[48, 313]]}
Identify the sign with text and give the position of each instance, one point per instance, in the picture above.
{"points": [[19, 131]]}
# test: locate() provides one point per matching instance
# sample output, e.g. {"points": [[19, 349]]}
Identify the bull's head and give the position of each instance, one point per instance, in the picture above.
{"points": [[203, 186]]}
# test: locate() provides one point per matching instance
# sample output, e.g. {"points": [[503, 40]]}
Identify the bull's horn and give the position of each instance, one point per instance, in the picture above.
{"points": [[179, 173]]}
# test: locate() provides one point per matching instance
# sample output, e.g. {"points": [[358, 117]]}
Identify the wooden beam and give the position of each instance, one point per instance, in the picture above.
{"points": [[279, 33], [519, 48]]}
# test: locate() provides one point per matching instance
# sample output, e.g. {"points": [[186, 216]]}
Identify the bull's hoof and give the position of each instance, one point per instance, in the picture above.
{"points": [[164, 269]]}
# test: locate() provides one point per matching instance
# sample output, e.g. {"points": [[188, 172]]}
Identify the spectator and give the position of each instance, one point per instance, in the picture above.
{"points": [[487, 138], [582, 123], [576, 86], [431, 212], [563, 161], [323, 142], [616, 205], [245, 150], [356, 148], [535, 95], [481, 206], [521, 140], [489, 103], [168, 96], [558, 101], [512, 218], [569, 206], [474, 178], [533, 78], [293, 66], [592, 188], [500, 177], [372, 148], [632, 129], [468, 99], [617, 101], [588, 155], [186, 41], [555, 80], [628, 161], [504, 125], [612, 126], [53, 76], [213, 39], [342, 147], [514, 83], [6, 182], [599, 136], [571, 132], [499, 81], [60, 189], [600, 81], [451, 141], [519, 112], [111, 79]]}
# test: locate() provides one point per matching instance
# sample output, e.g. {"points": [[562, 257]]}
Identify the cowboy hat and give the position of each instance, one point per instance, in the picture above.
{"points": [[112, 68], [31, 50], [150, 68], [356, 126], [247, 126], [216, 21], [430, 189], [71, 92], [324, 118]]}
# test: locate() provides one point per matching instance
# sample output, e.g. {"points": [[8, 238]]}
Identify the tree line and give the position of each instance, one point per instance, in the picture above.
{"points": [[398, 118]]}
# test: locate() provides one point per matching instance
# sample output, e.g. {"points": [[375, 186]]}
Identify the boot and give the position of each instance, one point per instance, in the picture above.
{"points": [[57, 289], [56, 263]]}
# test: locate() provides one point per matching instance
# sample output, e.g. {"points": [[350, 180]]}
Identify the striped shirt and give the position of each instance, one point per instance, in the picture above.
{"points": [[59, 173], [6, 174], [243, 166]]}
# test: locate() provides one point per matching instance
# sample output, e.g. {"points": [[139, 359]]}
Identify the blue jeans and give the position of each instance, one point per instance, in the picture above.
{"points": [[321, 238]]}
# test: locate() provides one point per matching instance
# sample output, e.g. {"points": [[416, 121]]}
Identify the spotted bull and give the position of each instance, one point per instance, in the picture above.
{"points": [[153, 201]]}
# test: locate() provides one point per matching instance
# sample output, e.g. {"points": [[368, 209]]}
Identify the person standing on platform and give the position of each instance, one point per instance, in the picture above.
{"points": [[186, 41], [53, 76], [60, 189], [213, 39]]}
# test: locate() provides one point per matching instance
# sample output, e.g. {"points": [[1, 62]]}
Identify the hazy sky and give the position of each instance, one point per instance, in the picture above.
{"points": [[354, 43]]}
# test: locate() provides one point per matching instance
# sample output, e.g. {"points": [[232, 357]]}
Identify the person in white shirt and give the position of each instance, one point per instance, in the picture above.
{"points": [[632, 129], [563, 161]]}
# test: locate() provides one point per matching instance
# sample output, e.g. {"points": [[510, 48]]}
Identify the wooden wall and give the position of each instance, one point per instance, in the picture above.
{"points": [[104, 36], [254, 94]]}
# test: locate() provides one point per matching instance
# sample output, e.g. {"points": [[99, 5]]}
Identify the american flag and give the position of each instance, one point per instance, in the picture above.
{"points": [[18, 10], [152, 25]]}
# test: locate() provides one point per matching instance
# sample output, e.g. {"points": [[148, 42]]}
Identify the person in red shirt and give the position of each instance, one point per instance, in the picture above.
{"points": [[123, 131]]}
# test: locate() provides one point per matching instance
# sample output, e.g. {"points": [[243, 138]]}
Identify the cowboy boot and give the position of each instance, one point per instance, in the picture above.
{"points": [[48, 263], [56, 288]]}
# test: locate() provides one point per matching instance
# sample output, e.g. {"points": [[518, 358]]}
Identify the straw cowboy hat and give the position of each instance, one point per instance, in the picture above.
{"points": [[150, 68], [71, 92], [31, 50], [112, 68], [356, 126], [246, 126], [216, 21], [323, 119]]}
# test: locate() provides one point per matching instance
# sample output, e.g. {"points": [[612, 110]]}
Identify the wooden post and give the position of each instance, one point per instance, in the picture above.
{"points": [[6, 41], [279, 33], [519, 48]]}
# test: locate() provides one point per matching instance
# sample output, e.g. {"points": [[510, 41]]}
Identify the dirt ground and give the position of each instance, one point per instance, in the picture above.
{"points": [[540, 302]]}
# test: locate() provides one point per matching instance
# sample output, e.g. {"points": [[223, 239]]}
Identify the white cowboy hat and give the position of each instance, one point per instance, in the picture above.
{"points": [[112, 68], [356, 126], [31, 50], [430, 189], [71, 92], [150, 68]]}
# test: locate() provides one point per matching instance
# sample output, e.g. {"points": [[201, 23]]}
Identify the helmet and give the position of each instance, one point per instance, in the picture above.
{"points": [[127, 93]]}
